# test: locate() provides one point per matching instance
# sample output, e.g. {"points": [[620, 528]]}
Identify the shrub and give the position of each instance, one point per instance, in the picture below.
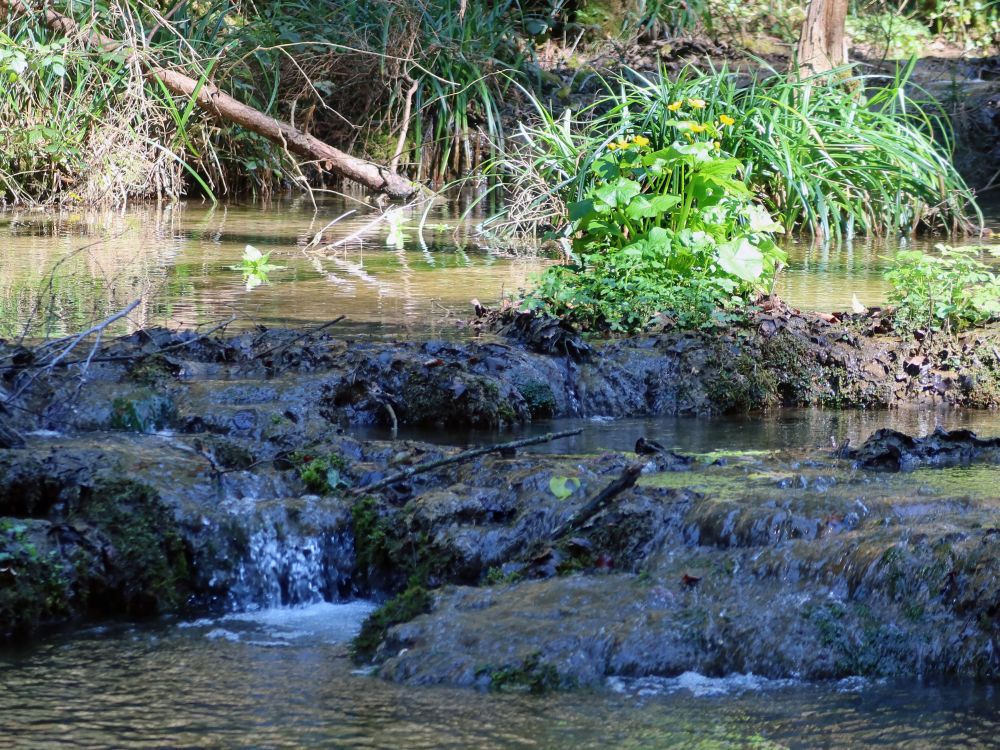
{"points": [[944, 292], [670, 229], [895, 35]]}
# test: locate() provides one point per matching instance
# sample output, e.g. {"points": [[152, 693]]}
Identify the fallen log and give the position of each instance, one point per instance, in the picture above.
{"points": [[222, 106]]}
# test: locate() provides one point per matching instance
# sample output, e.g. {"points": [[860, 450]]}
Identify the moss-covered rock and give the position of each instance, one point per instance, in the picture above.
{"points": [[34, 586], [415, 600], [146, 560]]}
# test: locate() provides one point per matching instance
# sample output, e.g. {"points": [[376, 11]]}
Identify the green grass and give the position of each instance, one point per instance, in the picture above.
{"points": [[857, 156]]}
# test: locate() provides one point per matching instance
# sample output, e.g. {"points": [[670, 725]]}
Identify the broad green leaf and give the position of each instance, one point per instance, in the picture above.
{"points": [[642, 207], [618, 194], [740, 258], [660, 239], [720, 167], [563, 487], [607, 169], [761, 221], [581, 209]]}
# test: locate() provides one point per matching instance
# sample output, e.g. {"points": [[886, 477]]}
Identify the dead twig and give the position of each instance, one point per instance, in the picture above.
{"points": [[96, 329], [462, 456], [318, 237], [600, 501], [300, 337]]}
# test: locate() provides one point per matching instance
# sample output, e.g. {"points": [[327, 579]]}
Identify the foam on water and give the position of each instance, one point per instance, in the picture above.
{"points": [[697, 684], [323, 622]]}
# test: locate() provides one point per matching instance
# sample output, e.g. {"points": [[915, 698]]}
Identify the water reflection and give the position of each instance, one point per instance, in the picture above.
{"points": [[781, 429], [61, 271]]}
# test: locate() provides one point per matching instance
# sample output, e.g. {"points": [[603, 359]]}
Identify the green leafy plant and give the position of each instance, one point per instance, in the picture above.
{"points": [[255, 267], [324, 474], [946, 292], [896, 35], [663, 230]]}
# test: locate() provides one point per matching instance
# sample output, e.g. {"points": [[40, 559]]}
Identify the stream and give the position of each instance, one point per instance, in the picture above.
{"points": [[267, 676], [281, 678]]}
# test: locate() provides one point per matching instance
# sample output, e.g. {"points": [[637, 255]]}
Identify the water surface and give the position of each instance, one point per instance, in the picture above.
{"points": [[62, 271], [282, 679]]}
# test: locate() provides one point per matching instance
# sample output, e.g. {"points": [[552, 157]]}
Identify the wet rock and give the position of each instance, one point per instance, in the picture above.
{"points": [[890, 450], [9, 437]]}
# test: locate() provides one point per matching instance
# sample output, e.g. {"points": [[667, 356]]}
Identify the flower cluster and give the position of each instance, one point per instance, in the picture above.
{"points": [[638, 141], [689, 127]]}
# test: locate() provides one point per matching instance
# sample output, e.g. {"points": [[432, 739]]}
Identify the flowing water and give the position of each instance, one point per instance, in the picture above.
{"points": [[266, 676], [281, 678], [61, 271]]}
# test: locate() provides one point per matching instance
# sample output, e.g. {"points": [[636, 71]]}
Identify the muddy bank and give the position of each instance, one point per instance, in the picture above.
{"points": [[268, 384]]}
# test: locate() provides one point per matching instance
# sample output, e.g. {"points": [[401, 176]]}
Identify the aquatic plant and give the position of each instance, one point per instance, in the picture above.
{"points": [[946, 291], [323, 474], [255, 267], [855, 155]]}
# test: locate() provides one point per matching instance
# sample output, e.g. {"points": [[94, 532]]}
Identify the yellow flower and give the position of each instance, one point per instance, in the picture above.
{"points": [[623, 144], [675, 106], [696, 127], [640, 141], [696, 103], [717, 145], [726, 120], [612, 146]]}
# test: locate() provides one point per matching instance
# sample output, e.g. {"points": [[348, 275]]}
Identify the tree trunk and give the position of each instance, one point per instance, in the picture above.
{"points": [[822, 44], [225, 107]]}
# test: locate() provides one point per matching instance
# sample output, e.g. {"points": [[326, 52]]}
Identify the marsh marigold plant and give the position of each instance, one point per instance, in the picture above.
{"points": [[669, 229]]}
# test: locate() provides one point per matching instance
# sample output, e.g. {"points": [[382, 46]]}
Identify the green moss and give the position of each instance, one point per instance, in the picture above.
{"points": [[387, 550], [538, 396], [374, 538], [742, 384], [530, 675], [144, 412], [415, 600], [445, 399], [385, 546], [496, 577], [151, 371], [33, 584], [149, 554]]}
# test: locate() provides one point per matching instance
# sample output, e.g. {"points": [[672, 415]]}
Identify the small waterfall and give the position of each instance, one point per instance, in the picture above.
{"points": [[281, 568]]}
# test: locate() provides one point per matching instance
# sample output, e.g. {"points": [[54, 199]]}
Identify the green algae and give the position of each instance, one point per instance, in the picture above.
{"points": [[979, 482], [709, 483], [531, 675]]}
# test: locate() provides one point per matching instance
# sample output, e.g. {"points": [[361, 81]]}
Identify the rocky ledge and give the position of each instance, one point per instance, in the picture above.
{"points": [[173, 471]]}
